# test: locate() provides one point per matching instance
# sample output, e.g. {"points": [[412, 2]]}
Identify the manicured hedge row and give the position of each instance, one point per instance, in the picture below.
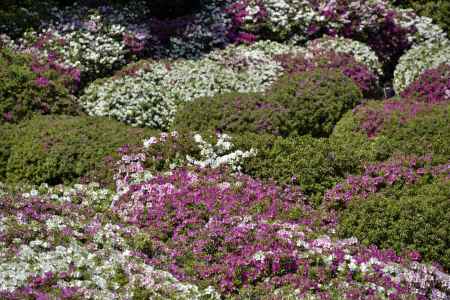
{"points": [[62, 149]]}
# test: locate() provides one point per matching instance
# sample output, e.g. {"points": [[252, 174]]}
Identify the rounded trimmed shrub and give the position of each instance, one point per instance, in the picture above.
{"points": [[415, 218], [62, 149], [305, 161], [23, 91], [316, 100], [377, 130], [234, 113]]}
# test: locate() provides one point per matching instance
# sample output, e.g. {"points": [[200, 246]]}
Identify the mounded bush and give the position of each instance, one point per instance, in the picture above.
{"points": [[378, 130], [417, 60], [61, 149], [432, 86], [23, 92], [305, 161], [316, 100], [415, 218], [233, 113]]}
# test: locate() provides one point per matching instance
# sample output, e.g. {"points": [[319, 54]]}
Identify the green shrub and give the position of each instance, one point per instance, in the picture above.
{"points": [[18, 16], [23, 92], [316, 100], [415, 218], [61, 149], [306, 161], [234, 113], [426, 132]]}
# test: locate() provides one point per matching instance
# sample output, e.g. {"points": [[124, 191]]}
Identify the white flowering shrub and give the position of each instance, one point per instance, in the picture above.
{"points": [[284, 19], [94, 48], [220, 154], [426, 30], [149, 97], [84, 254], [360, 51], [417, 60], [139, 100]]}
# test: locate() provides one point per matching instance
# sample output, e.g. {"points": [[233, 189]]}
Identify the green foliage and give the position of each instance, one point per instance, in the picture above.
{"points": [[18, 16], [233, 113], [21, 95], [316, 100], [61, 149], [428, 132], [412, 218], [306, 161]]}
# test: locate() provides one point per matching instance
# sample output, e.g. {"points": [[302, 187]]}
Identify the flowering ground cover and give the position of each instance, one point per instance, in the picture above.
{"points": [[236, 149]]}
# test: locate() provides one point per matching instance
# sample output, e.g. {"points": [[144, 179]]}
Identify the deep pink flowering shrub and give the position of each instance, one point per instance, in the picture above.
{"points": [[433, 86], [247, 237], [365, 79], [399, 171]]}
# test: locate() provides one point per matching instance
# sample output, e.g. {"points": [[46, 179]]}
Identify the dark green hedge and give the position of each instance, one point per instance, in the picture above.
{"points": [[316, 100], [233, 113], [62, 149], [413, 218]]}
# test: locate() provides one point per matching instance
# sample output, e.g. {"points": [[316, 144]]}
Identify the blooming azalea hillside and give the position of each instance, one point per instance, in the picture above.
{"points": [[232, 149]]}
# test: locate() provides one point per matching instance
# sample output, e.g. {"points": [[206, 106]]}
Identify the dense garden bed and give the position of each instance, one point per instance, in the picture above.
{"points": [[233, 149]]}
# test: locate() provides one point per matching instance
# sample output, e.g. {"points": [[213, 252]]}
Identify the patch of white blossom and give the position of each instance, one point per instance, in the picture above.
{"points": [[419, 59], [360, 51]]}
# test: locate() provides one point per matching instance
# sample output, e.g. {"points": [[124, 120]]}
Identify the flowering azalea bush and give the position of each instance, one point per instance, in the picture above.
{"points": [[147, 95], [417, 60], [66, 249], [265, 242], [432, 86], [361, 52], [27, 87]]}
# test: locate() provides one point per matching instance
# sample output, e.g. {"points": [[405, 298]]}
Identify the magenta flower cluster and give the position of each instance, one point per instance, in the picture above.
{"points": [[364, 78], [433, 86], [236, 233], [400, 170]]}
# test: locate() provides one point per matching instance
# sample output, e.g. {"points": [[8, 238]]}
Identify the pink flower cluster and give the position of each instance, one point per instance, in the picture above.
{"points": [[365, 79], [433, 86], [400, 170]]}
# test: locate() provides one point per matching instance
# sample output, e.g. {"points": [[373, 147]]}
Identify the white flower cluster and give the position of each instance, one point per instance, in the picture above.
{"points": [[149, 97], [217, 155], [94, 48], [426, 30], [360, 51], [284, 17], [138, 100], [417, 60]]}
